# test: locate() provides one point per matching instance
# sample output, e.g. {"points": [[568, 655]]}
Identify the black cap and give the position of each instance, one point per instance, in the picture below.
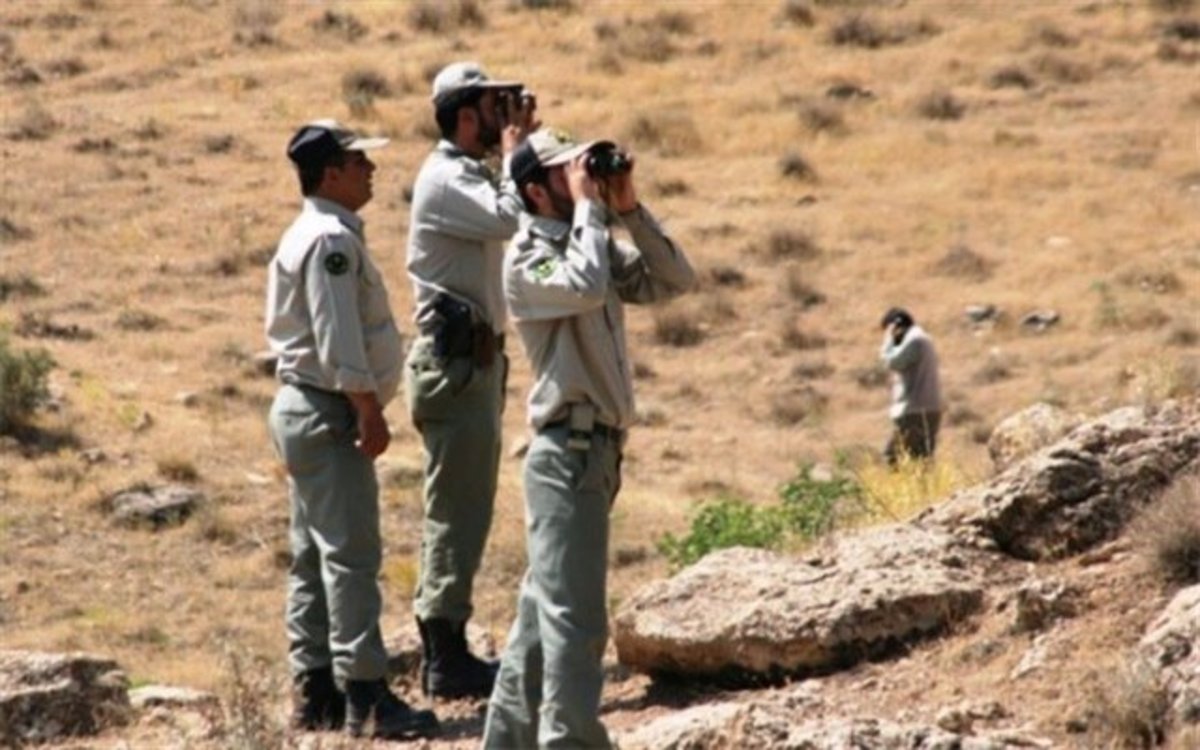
{"points": [[315, 143], [896, 315]]}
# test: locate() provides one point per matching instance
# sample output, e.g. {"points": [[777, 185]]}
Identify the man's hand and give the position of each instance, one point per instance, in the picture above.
{"points": [[618, 191], [579, 182], [517, 119], [373, 434]]}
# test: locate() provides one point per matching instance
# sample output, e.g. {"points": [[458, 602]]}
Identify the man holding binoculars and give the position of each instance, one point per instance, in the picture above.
{"points": [[456, 368], [566, 279]]}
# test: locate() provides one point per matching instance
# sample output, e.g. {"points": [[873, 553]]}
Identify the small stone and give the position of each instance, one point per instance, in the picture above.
{"points": [[166, 696], [155, 507], [1040, 320], [980, 313], [187, 398], [93, 456]]}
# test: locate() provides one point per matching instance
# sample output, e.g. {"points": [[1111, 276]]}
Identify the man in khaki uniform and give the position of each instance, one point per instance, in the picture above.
{"points": [[456, 369], [908, 352], [566, 280], [329, 322]]}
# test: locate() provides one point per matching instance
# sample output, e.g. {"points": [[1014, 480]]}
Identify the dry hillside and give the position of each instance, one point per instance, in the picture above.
{"points": [[820, 160]]}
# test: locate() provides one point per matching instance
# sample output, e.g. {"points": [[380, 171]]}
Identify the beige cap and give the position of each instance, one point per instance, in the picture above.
{"points": [[465, 75]]}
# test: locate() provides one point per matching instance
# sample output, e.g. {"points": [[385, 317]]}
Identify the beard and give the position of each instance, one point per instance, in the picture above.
{"points": [[489, 133], [563, 204]]}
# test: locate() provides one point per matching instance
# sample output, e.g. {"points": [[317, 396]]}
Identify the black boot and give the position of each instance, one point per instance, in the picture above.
{"points": [[393, 719], [426, 655], [453, 671], [317, 704]]}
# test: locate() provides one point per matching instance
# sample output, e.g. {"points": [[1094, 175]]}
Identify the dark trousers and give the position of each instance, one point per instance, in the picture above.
{"points": [[914, 436]]}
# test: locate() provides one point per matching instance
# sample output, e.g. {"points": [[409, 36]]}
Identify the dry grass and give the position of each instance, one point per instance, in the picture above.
{"points": [[899, 493], [1168, 533], [1130, 707]]}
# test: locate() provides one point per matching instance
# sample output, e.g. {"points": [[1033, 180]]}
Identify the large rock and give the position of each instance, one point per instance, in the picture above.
{"points": [[777, 725], [45, 697], [155, 507], [1027, 431], [1172, 645], [751, 614], [1079, 491]]}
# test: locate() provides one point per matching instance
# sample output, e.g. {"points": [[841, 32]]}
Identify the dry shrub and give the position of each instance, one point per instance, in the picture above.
{"points": [[67, 67], [860, 30], [812, 370], [219, 144], [254, 22], [821, 117], [796, 289], [33, 124], [139, 320], [961, 262], [677, 327], [248, 720], [176, 469], [726, 276], [40, 325], [803, 404], [342, 25], [21, 285], [1172, 6], [1049, 35], [11, 232], [896, 493], [544, 4], [670, 188], [1183, 335], [992, 372], [1178, 52], [797, 13], [795, 167], [360, 87], [1062, 69], [1015, 140], [1168, 533], [647, 39], [794, 337], [670, 133], [870, 377], [1130, 706], [790, 244], [1011, 76], [941, 105], [436, 16], [1160, 281], [149, 130], [1182, 29]]}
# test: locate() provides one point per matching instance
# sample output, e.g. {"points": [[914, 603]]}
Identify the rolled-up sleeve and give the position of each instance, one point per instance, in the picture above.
{"points": [[333, 302]]}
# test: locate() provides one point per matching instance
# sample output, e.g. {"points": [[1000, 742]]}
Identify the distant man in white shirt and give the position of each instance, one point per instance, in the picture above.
{"points": [[916, 412], [329, 321]]}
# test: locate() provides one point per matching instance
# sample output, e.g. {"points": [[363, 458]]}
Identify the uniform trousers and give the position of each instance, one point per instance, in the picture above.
{"points": [[456, 405], [547, 694], [333, 600], [914, 436]]}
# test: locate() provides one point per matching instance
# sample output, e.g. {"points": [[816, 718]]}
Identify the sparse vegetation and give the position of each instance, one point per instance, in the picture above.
{"points": [[791, 244], [23, 384], [797, 13], [677, 327], [798, 405], [139, 320], [941, 105], [21, 285], [1130, 706], [961, 262], [435, 16], [861, 30], [343, 25], [821, 117], [897, 493], [809, 508], [797, 289], [360, 87], [1168, 533], [796, 167], [177, 469], [1011, 76], [793, 337], [670, 133], [34, 123]]}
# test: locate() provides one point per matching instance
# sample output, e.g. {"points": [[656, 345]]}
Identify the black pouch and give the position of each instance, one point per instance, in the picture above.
{"points": [[453, 336]]}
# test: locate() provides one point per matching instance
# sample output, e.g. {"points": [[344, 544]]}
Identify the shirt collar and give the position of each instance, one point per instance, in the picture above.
{"points": [[544, 226], [348, 218]]}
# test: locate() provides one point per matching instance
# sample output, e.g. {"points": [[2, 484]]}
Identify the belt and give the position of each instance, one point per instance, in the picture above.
{"points": [[614, 434]]}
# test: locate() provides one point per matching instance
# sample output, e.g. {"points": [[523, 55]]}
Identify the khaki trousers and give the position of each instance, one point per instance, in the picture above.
{"points": [[333, 599]]}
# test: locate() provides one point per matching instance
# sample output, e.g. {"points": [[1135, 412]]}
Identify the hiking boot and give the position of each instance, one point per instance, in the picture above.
{"points": [[372, 701], [317, 704], [450, 670]]}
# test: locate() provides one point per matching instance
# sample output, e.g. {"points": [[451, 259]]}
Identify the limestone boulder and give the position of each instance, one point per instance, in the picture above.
{"points": [[1172, 645], [1027, 431], [1078, 492], [46, 697], [154, 507], [778, 725], [750, 614], [172, 697]]}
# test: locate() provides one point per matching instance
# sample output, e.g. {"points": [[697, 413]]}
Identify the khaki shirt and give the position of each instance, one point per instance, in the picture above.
{"points": [[915, 387], [328, 316], [565, 284], [460, 220]]}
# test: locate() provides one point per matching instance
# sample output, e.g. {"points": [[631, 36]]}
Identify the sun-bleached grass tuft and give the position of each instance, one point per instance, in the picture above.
{"points": [[1131, 706], [900, 492], [1168, 533]]}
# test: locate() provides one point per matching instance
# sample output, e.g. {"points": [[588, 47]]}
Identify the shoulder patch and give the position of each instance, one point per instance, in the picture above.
{"points": [[545, 269], [337, 263]]}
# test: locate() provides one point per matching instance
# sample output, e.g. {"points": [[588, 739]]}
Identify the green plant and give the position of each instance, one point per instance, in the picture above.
{"points": [[22, 384], [809, 507]]}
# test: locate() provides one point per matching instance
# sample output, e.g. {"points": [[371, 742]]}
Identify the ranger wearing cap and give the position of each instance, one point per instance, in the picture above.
{"points": [[329, 322], [456, 369], [566, 280]]}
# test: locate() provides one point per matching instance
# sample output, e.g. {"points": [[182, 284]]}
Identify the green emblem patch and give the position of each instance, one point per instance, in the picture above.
{"points": [[337, 263], [545, 269]]}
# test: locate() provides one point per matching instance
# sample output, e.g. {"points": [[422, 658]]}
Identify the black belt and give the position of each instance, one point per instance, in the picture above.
{"points": [[614, 434]]}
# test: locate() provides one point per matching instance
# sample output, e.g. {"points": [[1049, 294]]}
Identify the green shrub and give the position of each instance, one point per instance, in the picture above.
{"points": [[22, 384], [809, 508]]}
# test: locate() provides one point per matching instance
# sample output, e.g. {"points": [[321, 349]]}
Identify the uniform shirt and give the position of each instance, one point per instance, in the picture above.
{"points": [[460, 220], [915, 389], [565, 284], [328, 316]]}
